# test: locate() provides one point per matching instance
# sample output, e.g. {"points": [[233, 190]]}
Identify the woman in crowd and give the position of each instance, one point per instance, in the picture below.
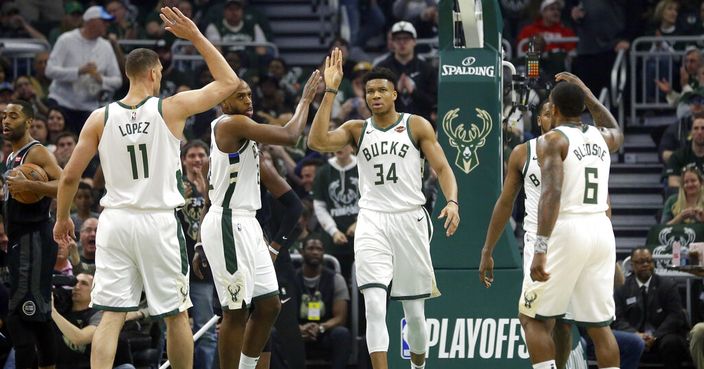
{"points": [[688, 205]]}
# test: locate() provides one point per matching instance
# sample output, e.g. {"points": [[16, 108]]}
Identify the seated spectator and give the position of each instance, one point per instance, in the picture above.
{"points": [[355, 107], [56, 123], [6, 92], [549, 25], [691, 77], [270, 100], [65, 143], [39, 130], [693, 153], [39, 80], [63, 265], [335, 194], [14, 25], [171, 77], [650, 306], [308, 168], [83, 203], [427, 22], [322, 313], [675, 135], [688, 205], [234, 26], [124, 27], [82, 257], [72, 19], [24, 90], [288, 77], [79, 82], [77, 327]]}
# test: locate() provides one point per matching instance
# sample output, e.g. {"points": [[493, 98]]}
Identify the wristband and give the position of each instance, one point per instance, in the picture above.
{"points": [[328, 89], [273, 250], [541, 245], [453, 201]]}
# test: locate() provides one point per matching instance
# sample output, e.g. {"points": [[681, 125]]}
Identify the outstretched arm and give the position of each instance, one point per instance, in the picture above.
{"points": [[428, 143], [501, 213], [320, 137], [225, 81], [244, 127], [601, 115]]}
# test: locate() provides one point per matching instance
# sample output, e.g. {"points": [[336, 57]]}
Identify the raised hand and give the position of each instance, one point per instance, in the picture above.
{"points": [[333, 69], [311, 87], [179, 24]]}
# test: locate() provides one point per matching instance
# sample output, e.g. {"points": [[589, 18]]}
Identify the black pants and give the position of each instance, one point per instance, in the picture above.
{"points": [[670, 350], [30, 336]]}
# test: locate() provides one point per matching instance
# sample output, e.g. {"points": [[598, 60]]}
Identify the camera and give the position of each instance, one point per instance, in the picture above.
{"points": [[62, 287]]}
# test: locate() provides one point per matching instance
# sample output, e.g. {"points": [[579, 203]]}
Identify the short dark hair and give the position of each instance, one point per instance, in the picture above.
{"points": [[27, 108], [139, 61], [380, 73], [85, 186], [313, 237], [639, 248], [194, 143], [568, 99], [66, 134]]}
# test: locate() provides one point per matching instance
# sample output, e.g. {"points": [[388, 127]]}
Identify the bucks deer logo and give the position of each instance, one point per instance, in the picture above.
{"points": [[467, 140]]}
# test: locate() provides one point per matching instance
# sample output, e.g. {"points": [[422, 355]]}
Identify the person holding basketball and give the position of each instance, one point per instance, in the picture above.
{"points": [[31, 244]]}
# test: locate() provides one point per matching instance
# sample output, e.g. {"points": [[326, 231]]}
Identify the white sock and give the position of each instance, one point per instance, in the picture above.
{"points": [[247, 362], [550, 364], [414, 366]]}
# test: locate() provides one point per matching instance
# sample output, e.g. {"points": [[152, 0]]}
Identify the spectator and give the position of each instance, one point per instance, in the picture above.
{"points": [[308, 170], [83, 256], [72, 19], [171, 77], [675, 134], [650, 306], [38, 129], [56, 123], [335, 194], [82, 65], [604, 27], [323, 308], [417, 79], [77, 327], [14, 25], [691, 77], [24, 90], [65, 143], [6, 92], [123, 28], [549, 25], [366, 21], [44, 10], [288, 78], [272, 107], [687, 206], [355, 107], [686, 155], [63, 266], [236, 27], [194, 159], [83, 202], [39, 80]]}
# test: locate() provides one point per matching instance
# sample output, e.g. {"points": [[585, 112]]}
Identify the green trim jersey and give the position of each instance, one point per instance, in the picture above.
{"points": [[585, 182], [531, 186], [140, 158], [390, 166], [234, 177]]}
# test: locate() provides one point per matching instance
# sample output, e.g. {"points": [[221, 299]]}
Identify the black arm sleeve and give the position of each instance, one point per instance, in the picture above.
{"points": [[289, 220]]}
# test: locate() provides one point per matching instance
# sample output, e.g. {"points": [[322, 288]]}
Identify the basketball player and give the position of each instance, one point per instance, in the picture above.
{"points": [[232, 238], [140, 244], [31, 246], [573, 228], [392, 240]]}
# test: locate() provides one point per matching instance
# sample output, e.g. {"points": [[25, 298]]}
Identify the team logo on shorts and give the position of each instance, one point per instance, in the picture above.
{"points": [[467, 140], [528, 299], [234, 291], [29, 308]]}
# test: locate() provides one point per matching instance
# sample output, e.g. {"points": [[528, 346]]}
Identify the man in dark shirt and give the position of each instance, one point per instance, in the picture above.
{"points": [[692, 153], [677, 133], [417, 83]]}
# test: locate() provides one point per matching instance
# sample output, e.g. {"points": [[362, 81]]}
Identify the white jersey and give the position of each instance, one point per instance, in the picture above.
{"points": [[390, 167], [140, 158], [234, 177], [586, 171], [531, 186]]}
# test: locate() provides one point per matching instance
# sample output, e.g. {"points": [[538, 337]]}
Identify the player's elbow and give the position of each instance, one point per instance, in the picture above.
{"points": [[314, 143]]}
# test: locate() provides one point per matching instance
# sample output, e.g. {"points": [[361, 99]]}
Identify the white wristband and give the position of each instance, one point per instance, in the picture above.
{"points": [[273, 250], [541, 245]]}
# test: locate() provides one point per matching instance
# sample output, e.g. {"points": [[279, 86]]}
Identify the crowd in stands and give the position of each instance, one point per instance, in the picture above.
{"points": [[84, 69]]}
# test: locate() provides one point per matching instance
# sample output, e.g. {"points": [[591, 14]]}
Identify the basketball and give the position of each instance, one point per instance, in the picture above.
{"points": [[33, 172]]}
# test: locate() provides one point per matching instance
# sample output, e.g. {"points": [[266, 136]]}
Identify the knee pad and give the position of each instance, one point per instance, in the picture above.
{"points": [[375, 311], [416, 330]]}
